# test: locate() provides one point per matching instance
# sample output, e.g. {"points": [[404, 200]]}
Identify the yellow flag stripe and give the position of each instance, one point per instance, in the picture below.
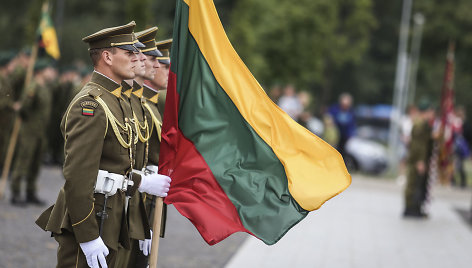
{"points": [[315, 171]]}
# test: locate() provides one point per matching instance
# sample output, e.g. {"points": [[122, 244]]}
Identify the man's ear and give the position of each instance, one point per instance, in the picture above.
{"points": [[107, 57]]}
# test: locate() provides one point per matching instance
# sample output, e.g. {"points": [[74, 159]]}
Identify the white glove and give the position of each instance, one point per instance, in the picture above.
{"points": [[145, 245], [151, 169], [155, 184], [95, 251]]}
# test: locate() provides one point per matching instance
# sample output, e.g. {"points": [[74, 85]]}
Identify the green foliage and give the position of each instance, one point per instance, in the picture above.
{"points": [[445, 22], [304, 43], [323, 46], [139, 11]]}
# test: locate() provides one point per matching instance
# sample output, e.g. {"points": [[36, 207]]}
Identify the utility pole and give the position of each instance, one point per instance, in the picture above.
{"points": [[419, 21], [399, 86]]}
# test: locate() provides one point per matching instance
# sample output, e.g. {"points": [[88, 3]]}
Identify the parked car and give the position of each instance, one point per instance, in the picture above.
{"points": [[367, 150], [365, 155]]}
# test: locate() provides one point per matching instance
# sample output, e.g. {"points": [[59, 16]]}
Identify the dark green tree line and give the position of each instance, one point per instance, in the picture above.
{"points": [[323, 46]]}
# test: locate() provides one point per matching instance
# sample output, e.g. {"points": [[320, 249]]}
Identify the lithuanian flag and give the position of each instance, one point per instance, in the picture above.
{"points": [[237, 161], [48, 34]]}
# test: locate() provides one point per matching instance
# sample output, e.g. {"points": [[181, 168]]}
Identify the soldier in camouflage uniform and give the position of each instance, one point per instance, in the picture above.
{"points": [[34, 109], [6, 111], [12, 79], [62, 95], [418, 161]]}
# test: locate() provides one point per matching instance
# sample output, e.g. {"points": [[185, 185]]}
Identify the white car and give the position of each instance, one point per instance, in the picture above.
{"points": [[365, 155]]}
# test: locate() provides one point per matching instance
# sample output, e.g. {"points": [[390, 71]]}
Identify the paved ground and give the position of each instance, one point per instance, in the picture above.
{"points": [[24, 245], [362, 228]]}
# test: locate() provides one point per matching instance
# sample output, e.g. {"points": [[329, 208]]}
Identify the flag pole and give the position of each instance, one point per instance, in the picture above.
{"points": [[17, 124], [156, 226]]}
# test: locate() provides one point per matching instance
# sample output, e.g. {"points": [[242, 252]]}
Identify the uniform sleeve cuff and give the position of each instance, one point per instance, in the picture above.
{"points": [[136, 182], [86, 230]]}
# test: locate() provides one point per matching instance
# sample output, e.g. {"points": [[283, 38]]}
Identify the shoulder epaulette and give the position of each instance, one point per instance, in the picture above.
{"points": [[95, 92]]}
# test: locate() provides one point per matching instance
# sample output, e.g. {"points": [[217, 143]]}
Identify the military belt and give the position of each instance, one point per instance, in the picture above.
{"points": [[108, 183]]}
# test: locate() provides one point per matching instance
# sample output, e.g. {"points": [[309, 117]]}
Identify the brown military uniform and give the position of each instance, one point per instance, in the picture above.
{"points": [[152, 112], [128, 258], [161, 102], [97, 134], [135, 258], [144, 127], [420, 150], [164, 46], [137, 215]]}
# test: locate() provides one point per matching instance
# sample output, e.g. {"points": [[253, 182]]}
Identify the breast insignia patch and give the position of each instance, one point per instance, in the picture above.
{"points": [[88, 111], [88, 107]]}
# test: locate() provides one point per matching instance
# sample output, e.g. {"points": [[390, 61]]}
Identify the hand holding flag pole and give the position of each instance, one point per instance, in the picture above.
{"points": [[156, 225], [155, 238]]}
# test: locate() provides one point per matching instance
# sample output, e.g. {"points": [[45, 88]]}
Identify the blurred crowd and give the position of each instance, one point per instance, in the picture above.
{"points": [[40, 106], [334, 124], [434, 145]]}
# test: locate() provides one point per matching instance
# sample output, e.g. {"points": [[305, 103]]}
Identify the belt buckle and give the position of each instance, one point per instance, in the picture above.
{"points": [[126, 183]]}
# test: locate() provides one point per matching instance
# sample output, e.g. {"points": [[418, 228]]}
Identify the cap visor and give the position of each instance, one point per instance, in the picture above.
{"points": [[128, 47], [164, 62], [155, 53], [139, 45]]}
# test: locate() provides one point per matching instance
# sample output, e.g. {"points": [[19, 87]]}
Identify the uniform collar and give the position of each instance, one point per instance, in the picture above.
{"points": [[150, 94], [107, 83], [138, 92], [126, 89], [137, 89], [154, 98]]}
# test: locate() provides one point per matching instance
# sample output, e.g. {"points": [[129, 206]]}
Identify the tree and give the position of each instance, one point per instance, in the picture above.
{"points": [[305, 43], [446, 22]]}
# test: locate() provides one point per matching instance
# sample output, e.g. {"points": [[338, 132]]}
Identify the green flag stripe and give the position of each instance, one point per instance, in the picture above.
{"points": [[231, 147]]}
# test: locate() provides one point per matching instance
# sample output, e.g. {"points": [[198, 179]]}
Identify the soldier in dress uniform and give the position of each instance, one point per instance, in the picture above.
{"points": [[34, 108], [91, 215], [161, 79], [154, 92], [145, 69]]}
